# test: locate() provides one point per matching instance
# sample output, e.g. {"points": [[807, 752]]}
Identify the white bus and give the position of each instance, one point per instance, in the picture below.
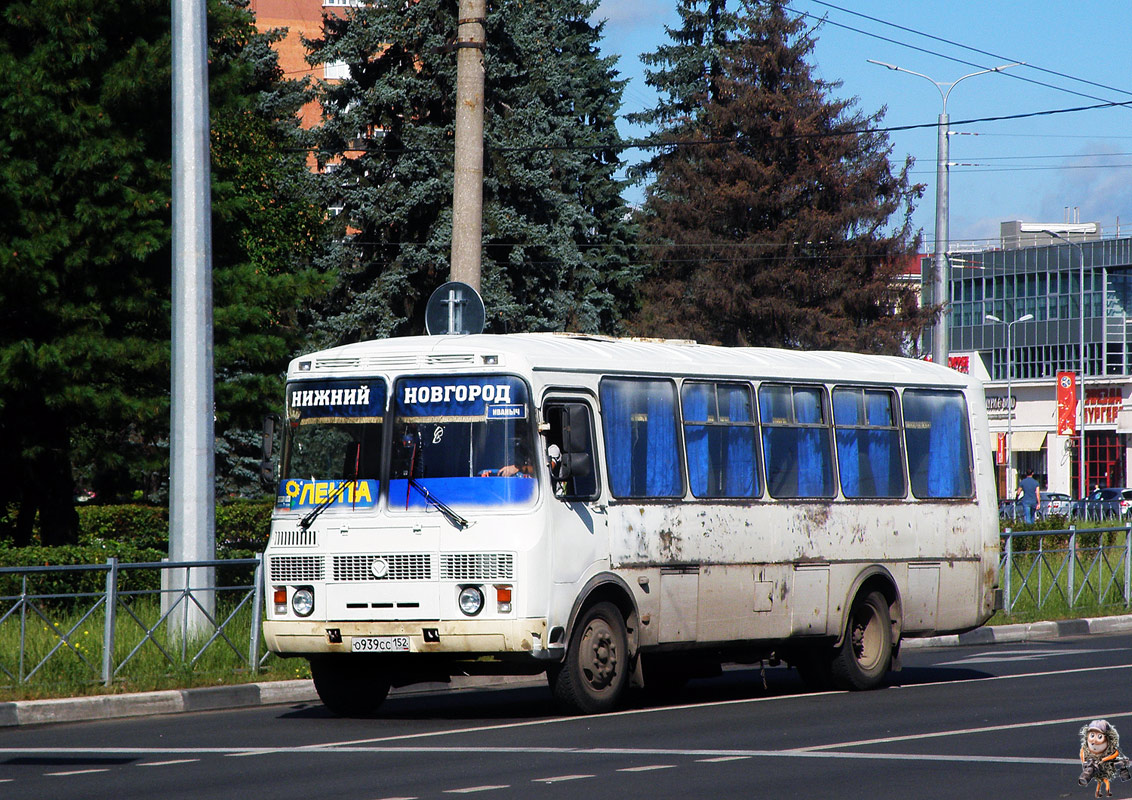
{"points": [[621, 513]]}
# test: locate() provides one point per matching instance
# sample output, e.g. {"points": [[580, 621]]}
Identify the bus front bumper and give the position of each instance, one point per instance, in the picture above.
{"points": [[495, 636]]}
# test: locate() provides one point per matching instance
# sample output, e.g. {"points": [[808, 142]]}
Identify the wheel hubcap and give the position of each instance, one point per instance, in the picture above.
{"points": [[867, 638], [599, 650]]}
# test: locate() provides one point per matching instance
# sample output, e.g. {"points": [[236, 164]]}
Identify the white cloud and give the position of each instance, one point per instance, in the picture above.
{"points": [[1095, 182]]}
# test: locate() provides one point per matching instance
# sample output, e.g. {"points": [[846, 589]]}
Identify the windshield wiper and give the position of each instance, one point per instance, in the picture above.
{"points": [[309, 519], [448, 513]]}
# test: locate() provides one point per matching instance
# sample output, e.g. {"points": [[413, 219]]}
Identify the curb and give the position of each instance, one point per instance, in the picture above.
{"points": [[1026, 632], [178, 701]]}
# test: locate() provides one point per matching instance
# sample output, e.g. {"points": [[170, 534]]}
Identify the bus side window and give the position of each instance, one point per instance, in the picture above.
{"points": [[938, 442], [571, 432], [796, 441]]}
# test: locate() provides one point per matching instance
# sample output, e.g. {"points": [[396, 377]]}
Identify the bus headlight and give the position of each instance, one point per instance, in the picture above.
{"points": [[471, 600], [302, 601]]}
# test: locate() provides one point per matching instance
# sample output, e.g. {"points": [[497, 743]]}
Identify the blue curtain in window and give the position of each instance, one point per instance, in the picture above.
{"points": [[696, 437], [945, 460], [769, 450], [616, 418], [882, 455], [848, 450], [662, 476], [807, 410], [740, 447]]}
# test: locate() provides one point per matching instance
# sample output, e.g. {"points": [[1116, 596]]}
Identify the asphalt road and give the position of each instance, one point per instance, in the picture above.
{"points": [[975, 721]]}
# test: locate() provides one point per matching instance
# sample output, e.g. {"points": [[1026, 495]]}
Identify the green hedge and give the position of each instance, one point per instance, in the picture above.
{"points": [[241, 525], [75, 582], [133, 534]]}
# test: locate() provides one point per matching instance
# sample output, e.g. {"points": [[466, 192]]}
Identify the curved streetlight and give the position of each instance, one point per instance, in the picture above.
{"points": [[1009, 407], [941, 279], [1082, 478]]}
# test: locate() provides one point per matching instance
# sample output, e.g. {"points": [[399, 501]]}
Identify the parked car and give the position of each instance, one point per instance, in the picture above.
{"points": [[1009, 509], [1054, 504], [1107, 503]]}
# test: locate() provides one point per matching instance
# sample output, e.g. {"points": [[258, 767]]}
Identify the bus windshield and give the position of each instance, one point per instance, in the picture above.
{"points": [[465, 441], [333, 436]]}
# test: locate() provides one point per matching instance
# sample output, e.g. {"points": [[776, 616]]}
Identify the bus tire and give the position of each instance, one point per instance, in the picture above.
{"points": [[349, 687], [865, 654], [595, 671]]}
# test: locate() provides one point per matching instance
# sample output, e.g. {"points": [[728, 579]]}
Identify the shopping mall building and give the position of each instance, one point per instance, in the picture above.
{"points": [[1015, 320]]}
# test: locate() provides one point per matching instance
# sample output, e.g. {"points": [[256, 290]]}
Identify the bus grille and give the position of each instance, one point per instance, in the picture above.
{"points": [[298, 538], [400, 567], [291, 569], [477, 566]]}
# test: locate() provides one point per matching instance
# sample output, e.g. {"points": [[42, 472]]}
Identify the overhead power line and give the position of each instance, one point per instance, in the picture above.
{"points": [[650, 144], [1014, 76], [962, 46]]}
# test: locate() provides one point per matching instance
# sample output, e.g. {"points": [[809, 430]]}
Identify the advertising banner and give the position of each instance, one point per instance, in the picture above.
{"points": [[1066, 403]]}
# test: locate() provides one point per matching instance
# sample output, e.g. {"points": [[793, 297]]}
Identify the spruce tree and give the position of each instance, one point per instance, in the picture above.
{"points": [[768, 210], [85, 182], [557, 245]]}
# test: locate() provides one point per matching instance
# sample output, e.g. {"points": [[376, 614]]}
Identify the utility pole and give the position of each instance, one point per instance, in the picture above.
{"points": [[941, 272], [192, 498], [467, 183]]}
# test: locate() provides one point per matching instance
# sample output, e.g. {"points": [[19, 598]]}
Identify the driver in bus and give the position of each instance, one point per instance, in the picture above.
{"points": [[521, 468]]}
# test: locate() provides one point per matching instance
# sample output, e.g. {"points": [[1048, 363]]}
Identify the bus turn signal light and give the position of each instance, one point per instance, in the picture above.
{"points": [[503, 598]]}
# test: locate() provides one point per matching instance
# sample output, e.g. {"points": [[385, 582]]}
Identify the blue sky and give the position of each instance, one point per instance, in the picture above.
{"points": [[1031, 169]]}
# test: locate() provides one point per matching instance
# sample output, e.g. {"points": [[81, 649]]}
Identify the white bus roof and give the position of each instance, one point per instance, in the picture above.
{"points": [[567, 352]]}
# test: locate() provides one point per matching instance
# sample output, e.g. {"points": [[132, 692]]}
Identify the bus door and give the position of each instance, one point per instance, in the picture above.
{"points": [[578, 521]]}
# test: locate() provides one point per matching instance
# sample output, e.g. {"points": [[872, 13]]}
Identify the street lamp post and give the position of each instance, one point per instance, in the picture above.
{"points": [[1009, 407], [941, 277], [1082, 478]]}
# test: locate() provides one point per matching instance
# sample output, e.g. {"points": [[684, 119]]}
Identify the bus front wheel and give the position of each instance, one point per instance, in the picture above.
{"points": [[349, 686], [865, 654], [593, 676]]}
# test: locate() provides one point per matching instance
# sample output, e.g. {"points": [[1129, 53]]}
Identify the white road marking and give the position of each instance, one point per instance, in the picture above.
{"points": [[75, 772], [169, 763], [472, 789], [996, 657], [385, 744], [956, 732], [721, 759], [648, 768], [562, 778]]}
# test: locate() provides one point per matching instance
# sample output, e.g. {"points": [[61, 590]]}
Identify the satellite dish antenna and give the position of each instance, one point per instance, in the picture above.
{"points": [[455, 309]]}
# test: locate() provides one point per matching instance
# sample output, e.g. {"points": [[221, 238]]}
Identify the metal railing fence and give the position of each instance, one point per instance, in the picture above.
{"points": [[170, 620], [1066, 569]]}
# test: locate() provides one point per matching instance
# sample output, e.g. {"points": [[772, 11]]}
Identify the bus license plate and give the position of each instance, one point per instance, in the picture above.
{"points": [[380, 644]]}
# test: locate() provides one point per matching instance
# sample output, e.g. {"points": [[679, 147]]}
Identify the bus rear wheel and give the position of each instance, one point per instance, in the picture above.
{"points": [[349, 686], [865, 654], [593, 676]]}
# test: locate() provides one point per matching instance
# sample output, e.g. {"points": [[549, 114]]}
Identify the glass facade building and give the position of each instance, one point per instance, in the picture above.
{"points": [[1044, 281]]}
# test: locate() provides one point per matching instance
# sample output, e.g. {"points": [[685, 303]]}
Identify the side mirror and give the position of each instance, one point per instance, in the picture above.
{"points": [[578, 465], [575, 429], [267, 446]]}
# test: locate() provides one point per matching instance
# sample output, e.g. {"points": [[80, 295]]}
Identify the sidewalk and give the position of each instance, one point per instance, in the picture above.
{"points": [[176, 701]]}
